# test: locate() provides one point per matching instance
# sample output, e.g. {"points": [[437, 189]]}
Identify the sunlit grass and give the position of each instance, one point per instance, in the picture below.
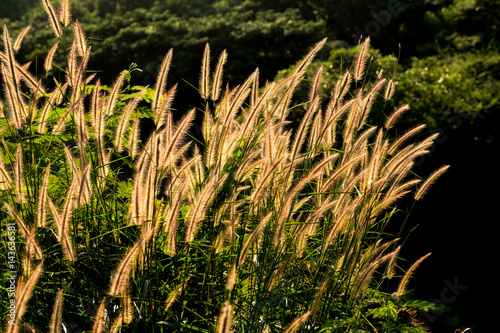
{"points": [[254, 227]]}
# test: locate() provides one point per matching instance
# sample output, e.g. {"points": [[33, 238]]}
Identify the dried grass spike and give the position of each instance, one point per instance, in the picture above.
{"points": [[50, 56], [395, 116], [65, 13], [99, 318], [122, 274], [389, 91], [297, 323], [432, 178], [19, 173], [81, 40], [55, 324], [20, 37], [113, 95], [161, 81], [309, 57], [124, 119], [218, 74], [406, 278], [225, 320], [22, 297], [5, 180], [205, 74], [361, 60], [54, 22], [42, 199]]}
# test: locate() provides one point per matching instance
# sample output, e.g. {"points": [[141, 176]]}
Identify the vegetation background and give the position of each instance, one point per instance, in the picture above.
{"points": [[445, 58]]}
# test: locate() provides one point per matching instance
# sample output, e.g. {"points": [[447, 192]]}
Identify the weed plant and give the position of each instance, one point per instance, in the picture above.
{"points": [[255, 227]]}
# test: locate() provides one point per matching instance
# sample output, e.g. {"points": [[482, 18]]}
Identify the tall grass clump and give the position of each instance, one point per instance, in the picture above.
{"points": [[254, 227]]}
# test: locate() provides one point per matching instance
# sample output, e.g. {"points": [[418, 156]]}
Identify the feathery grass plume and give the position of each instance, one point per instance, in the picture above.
{"points": [[201, 203], [340, 171], [133, 138], [19, 173], [65, 219], [256, 109], [100, 317], [81, 40], [305, 123], [13, 110], [65, 13], [290, 84], [405, 137], [120, 278], [311, 225], [171, 223], [20, 37], [316, 129], [42, 200], [117, 324], [33, 106], [316, 84], [177, 138], [12, 81], [56, 322], [82, 132], [255, 89], [352, 121], [406, 278], [392, 263], [225, 321], [297, 323], [231, 277], [263, 180], [5, 179], [161, 81], [309, 57], [96, 112], [50, 57], [113, 95], [85, 188], [407, 155], [368, 102], [365, 276], [237, 101], [344, 214], [395, 116], [31, 244], [362, 139], [124, 119], [51, 102], [127, 307], [432, 178], [318, 297], [218, 75], [251, 239], [175, 293], [135, 199], [104, 160], [283, 216], [375, 161], [332, 115], [163, 112], [389, 90], [22, 72], [72, 64], [54, 22], [23, 294], [360, 63], [341, 89], [205, 74]]}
